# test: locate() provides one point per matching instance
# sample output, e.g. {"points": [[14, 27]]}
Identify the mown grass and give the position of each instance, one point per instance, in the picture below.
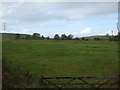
{"points": [[63, 58]]}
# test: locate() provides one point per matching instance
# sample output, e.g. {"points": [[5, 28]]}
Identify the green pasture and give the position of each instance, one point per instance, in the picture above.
{"points": [[63, 58]]}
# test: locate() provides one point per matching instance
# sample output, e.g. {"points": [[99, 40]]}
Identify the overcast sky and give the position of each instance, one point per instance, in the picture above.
{"points": [[50, 18]]}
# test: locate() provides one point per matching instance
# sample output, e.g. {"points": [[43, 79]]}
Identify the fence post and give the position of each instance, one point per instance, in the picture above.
{"points": [[118, 81], [41, 81]]}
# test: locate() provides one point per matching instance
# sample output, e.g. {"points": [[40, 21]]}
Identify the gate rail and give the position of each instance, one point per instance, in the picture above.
{"points": [[109, 81]]}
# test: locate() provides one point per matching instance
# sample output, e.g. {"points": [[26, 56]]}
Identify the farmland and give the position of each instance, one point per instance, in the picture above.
{"points": [[63, 57]]}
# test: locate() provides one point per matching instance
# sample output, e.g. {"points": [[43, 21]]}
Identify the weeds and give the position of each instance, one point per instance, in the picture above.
{"points": [[14, 77]]}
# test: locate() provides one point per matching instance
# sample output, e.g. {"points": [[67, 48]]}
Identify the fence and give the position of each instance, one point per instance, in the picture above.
{"points": [[108, 81]]}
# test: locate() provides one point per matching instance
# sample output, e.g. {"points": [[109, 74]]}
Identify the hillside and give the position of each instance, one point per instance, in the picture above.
{"points": [[104, 37], [11, 36]]}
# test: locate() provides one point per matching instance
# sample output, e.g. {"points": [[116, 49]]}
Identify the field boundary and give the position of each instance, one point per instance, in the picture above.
{"points": [[108, 81]]}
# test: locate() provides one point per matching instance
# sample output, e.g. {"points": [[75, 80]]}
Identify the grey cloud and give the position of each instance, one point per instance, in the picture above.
{"points": [[39, 11]]}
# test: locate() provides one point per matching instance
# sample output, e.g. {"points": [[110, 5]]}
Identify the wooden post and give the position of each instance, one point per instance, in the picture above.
{"points": [[41, 81], [118, 81]]}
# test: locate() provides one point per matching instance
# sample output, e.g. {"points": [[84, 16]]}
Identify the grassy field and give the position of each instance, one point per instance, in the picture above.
{"points": [[63, 58]]}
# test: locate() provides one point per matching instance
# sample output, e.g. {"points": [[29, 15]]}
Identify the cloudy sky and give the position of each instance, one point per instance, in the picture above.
{"points": [[50, 18]]}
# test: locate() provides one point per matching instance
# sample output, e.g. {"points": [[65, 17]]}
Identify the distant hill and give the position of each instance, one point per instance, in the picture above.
{"points": [[98, 36], [11, 36]]}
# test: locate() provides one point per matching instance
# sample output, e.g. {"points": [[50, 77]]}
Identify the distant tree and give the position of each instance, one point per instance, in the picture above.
{"points": [[119, 33], [83, 38], [96, 39], [70, 37], [48, 38], [76, 38], [56, 37], [42, 37], [17, 36], [36, 36], [111, 38], [114, 38], [86, 39], [63, 37], [107, 34], [118, 36]]}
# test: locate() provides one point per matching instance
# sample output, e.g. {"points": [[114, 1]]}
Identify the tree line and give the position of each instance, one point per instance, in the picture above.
{"points": [[37, 36]]}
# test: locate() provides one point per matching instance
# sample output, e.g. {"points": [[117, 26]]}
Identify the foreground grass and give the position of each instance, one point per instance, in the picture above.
{"points": [[63, 58]]}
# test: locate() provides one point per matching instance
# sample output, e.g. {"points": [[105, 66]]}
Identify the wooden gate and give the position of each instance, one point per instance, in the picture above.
{"points": [[109, 81]]}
